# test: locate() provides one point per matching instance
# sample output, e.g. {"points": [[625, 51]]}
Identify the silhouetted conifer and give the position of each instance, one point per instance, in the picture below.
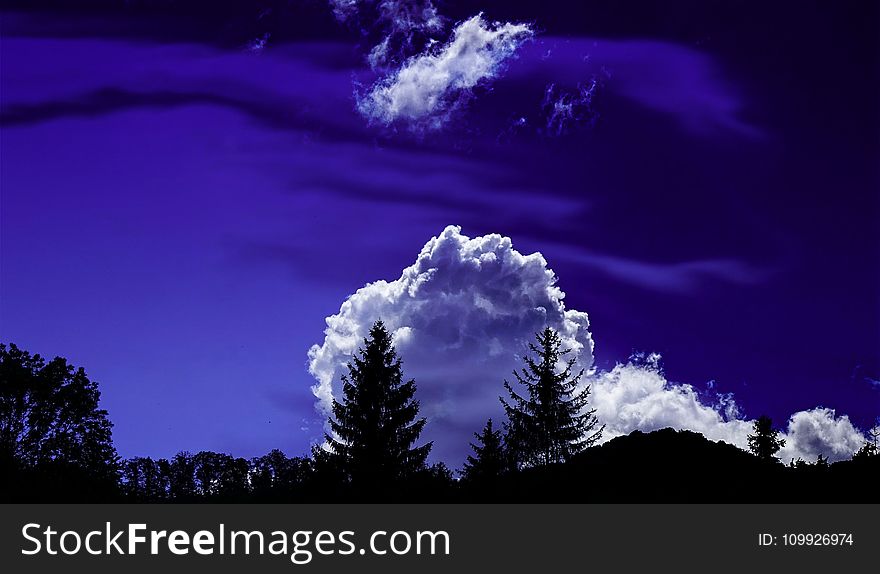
{"points": [[764, 442], [490, 461], [551, 423], [375, 426], [870, 448]]}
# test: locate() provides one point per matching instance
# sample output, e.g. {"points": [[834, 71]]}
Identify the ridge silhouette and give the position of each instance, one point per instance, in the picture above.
{"points": [[56, 446]]}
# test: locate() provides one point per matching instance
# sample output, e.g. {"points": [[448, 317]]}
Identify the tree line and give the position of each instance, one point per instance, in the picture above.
{"points": [[55, 440]]}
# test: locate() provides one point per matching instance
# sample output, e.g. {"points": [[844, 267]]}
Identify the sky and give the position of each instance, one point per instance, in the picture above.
{"points": [[188, 191]]}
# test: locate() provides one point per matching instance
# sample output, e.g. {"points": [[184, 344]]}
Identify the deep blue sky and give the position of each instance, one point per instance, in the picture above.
{"points": [[179, 213]]}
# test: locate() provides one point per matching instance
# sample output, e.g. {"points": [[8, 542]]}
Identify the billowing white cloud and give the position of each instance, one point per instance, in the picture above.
{"points": [[430, 86], [820, 431], [637, 396], [460, 315]]}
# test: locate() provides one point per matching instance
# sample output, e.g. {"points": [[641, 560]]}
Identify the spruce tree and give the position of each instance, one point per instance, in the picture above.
{"points": [[490, 461], [375, 425], [765, 442], [550, 422], [871, 448]]}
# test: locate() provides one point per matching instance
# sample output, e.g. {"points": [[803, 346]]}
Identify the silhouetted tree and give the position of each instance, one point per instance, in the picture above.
{"points": [[145, 479], [328, 478], [182, 477], [375, 426], [220, 475], [51, 425], [490, 461], [132, 478], [810, 470], [764, 442], [203, 476], [552, 422], [273, 475], [870, 448], [207, 470], [440, 472]]}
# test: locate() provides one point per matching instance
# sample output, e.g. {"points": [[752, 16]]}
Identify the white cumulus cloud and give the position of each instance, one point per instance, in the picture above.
{"points": [[460, 315], [637, 396], [820, 431], [431, 85]]}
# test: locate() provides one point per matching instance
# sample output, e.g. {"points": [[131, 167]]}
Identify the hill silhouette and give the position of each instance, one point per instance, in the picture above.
{"points": [[663, 466], [670, 466], [56, 446]]}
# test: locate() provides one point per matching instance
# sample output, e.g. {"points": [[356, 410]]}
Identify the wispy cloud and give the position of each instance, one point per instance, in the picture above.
{"points": [[682, 82], [498, 298], [680, 277], [566, 110], [429, 87], [399, 28]]}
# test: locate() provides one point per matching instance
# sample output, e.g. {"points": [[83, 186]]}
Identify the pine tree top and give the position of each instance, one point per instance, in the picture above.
{"points": [[376, 424], [550, 421], [490, 460]]}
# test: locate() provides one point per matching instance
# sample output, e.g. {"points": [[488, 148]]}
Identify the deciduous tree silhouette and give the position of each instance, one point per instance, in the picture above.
{"points": [[51, 425], [275, 476], [376, 424], [182, 477], [552, 422], [145, 479], [220, 475], [490, 461], [764, 442]]}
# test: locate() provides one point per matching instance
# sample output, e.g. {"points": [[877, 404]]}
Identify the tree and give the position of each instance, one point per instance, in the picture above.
{"points": [[146, 480], [220, 475], [375, 426], [273, 475], [551, 423], [871, 448], [181, 477], [765, 442], [51, 424], [490, 461]]}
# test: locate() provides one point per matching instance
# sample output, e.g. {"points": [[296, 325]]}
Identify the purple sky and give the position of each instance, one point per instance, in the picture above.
{"points": [[180, 213]]}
